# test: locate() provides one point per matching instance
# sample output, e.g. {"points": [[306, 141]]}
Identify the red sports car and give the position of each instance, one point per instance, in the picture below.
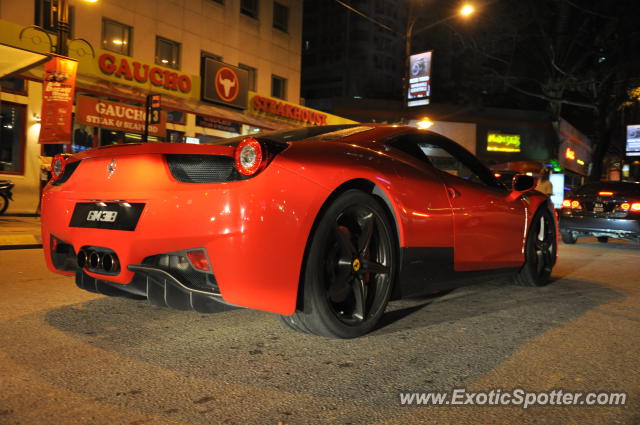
{"points": [[322, 225]]}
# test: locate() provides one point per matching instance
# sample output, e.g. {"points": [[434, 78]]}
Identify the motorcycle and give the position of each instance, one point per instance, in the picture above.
{"points": [[5, 195]]}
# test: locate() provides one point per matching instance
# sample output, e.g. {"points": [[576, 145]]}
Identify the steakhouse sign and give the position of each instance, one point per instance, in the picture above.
{"points": [[143, 73], [286, 110], [115, 116]]}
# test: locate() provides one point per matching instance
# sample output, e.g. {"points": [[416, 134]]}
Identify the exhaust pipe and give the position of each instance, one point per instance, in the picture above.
{"points": [[95, 260], [110, 263], [82, 258]]}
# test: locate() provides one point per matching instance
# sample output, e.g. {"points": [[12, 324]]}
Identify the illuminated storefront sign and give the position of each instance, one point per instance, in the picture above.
{"points": [[142, 73], [286, 110], [498, 142], [115, 115], [225, 84], [570, 154], [419, 79]]}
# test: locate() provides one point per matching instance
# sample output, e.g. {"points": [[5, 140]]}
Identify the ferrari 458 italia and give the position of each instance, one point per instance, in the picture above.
{"points": [[321, 225]]}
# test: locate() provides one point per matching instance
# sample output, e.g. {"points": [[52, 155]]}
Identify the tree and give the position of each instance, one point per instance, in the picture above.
{"points": [[578, 58]]}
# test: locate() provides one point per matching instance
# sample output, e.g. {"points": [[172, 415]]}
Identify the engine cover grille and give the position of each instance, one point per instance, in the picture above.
{"points": [[203, 168]]}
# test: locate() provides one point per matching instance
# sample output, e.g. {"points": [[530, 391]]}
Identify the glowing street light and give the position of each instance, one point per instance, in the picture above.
{"points": [[424, 124], [467, 10]]}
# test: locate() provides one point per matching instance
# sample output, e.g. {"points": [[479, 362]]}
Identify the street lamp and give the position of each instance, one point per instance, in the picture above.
{"points": [[62, 43], [466, 10]]}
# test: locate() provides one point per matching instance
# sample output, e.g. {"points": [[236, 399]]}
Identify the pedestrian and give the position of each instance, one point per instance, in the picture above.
{"points": [[544, 185]]}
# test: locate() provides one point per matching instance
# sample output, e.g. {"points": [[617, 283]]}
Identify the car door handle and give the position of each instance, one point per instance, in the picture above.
{"points": [[453, 193]]}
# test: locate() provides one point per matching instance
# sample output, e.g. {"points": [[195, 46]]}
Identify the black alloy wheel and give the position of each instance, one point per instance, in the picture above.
{"points": [[540, 250], [349, 269]]}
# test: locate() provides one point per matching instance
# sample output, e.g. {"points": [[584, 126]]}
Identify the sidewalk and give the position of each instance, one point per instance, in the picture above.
{"points": [[19, 232]]}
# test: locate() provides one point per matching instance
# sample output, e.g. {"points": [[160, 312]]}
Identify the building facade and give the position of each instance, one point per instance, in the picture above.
{"points": [[221, 68]]}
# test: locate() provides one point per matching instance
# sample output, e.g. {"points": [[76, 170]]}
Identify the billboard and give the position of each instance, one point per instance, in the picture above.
{"points": [[633, 140], [419, 79]]}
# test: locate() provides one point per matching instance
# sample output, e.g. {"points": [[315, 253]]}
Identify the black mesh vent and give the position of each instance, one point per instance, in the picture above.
{"points": [[69, 168], [203, 168]]}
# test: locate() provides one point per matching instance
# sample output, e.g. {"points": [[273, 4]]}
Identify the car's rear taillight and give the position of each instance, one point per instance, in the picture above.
{"points": [[575, 205], [605, 193], [57, 167], [249, 156], [566, 203], [628, 206]]}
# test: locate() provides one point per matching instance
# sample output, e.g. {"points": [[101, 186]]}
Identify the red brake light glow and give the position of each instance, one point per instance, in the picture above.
{"points": [[248, 156], [635, 206], [57, 166], [575, 204], [566, 203], [605, 193], [199, 260], [625, 206]]}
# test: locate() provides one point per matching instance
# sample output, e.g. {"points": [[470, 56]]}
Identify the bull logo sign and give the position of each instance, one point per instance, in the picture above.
{"points": [[227, 84]]}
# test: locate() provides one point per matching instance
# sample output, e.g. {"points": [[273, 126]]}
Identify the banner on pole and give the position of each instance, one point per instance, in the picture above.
{"points": [[57, 100]]}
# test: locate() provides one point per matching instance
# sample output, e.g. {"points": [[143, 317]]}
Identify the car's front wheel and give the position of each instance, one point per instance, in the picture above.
{"points": [[349, 270], [540, 250]]}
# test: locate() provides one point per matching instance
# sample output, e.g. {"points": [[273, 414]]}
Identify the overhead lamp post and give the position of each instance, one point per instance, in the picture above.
{"points": [[465, 11], [62, 27]]}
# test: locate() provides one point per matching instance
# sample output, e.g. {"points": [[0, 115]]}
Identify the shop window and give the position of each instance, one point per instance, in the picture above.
{"points": [[176, 117], [253, 74], [167, 53], [53, 149], [12, 131], [116, 37], [174, 136], [14, 85], [280, 17], [82, 138], [249, 8], [278, 87], [47, 20]]}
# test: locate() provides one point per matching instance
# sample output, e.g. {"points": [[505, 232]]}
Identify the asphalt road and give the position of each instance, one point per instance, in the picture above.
{"points": [[71, 357]]}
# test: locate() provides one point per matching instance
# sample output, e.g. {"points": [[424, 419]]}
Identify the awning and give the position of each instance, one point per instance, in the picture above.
{"points": [[103, 87], [14, 60]]}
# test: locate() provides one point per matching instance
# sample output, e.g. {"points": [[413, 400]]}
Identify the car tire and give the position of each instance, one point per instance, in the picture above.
{"points": [[349, 269], [603, 239], [568, 238], [4, 203], [540, 250]]}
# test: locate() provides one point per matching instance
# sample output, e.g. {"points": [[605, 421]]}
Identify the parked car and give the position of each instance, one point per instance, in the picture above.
{"points": [[322, 225], [603, 210]]}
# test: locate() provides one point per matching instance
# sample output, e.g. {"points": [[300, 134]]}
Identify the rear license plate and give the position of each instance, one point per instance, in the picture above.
{"points": [[598, 207], [107, 215]]}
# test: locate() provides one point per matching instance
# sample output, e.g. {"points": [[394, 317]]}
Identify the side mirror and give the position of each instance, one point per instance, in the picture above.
{"points": [[521, 183]]}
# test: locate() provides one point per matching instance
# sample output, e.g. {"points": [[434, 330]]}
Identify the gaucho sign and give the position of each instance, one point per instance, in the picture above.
{"points": [[115, 116], [143, 73], [285, 110]]}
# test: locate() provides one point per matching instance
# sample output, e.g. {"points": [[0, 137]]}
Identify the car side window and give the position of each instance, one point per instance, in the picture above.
{"points": [[444, 161]]}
